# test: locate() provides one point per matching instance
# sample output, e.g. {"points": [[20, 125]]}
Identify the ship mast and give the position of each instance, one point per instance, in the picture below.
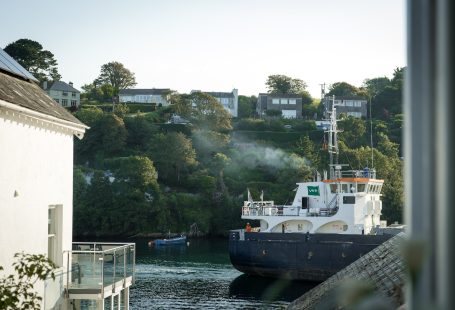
{"points": [[335, 168]]}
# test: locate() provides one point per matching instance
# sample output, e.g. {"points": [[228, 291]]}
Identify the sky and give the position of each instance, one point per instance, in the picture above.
{"points": [[215, 45]]}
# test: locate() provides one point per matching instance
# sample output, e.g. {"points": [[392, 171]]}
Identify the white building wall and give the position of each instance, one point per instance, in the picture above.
{"points": [[36, 164]]}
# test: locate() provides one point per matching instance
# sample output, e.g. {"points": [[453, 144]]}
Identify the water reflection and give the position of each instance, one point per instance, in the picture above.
{"points": [[200, 276], [267, 289]]}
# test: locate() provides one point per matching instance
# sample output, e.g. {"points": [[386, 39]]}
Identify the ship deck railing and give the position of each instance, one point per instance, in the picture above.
{"points": [[251, 209], [99, 270]]}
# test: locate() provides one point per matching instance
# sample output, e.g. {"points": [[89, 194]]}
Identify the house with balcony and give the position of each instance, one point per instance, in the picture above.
{"points": [[154, 96], [63, 93], [229, 100], [36, 199], [350, 106], [290, 105]]}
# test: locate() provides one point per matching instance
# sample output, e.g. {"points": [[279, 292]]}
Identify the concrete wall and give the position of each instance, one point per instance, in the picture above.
{"points": [[36, 171]]}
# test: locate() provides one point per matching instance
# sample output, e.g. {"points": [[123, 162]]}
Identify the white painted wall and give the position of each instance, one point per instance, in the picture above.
{"points": [[37, 163]]}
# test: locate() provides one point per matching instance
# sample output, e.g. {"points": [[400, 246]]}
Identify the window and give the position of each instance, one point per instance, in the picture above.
{"points": [[357, 103], [275, 101], [73, 103], [65, 102], [349, 103], [344, 188], [73, 94], [361, 188], [54, 234], [333, 188], [355, 114], [65, 93], [292, 101], [289, 113], [284, 101]]}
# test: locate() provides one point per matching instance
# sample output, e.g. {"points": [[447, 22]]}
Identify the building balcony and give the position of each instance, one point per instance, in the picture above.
{"points": [[99, 270]]}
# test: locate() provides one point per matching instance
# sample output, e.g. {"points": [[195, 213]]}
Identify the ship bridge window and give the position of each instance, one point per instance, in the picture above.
{"points": [[345, 188], [333, 188], [361, 188]]}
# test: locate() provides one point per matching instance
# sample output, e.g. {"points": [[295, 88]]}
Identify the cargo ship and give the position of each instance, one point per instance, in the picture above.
{"points": [[331, 222]]}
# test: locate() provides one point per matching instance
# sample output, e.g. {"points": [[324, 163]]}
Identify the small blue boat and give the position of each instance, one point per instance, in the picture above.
{"points": [[170, 241]]}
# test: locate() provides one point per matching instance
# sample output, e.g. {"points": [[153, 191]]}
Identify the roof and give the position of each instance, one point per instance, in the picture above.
{"points": [[281, 95], [61, 86], [29, 95], [8, 64], [345, 98], [144, 91], [220, 94]]}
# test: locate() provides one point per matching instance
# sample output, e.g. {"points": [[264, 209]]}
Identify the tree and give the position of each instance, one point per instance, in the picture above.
{"points": [[343, 89], [246, 106], [89, 115], [282, 84], [106, 137], [354, 130], [30, 55], [376, 85], [116, 75], [140, 132], [172, 152], [208, 113], [16, 290], [305, 148]]}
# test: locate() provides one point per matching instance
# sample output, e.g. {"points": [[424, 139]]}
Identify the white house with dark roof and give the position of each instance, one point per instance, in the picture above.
{"points": [[64, 94], [157, 96], [36, 198], [229, 100]]}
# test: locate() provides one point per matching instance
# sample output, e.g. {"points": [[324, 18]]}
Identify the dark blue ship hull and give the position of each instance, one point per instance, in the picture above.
{"points": [[296, 256]]}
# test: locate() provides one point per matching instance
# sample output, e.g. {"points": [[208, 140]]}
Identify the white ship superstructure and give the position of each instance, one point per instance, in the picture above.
{"points": [[347, 202]]}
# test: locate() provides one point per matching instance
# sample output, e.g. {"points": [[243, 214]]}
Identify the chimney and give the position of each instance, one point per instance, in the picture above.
{"points": [[71, 84], [45, 85]]}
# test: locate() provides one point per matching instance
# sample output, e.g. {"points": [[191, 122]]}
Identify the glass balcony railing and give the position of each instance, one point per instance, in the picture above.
{"points": [[94, 266]]}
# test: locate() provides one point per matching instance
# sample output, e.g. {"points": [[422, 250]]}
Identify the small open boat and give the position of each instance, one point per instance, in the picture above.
{"points": [[169, 241]]}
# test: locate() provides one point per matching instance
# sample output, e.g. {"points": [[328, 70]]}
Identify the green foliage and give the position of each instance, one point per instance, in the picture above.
{"points": [[31, 55], [173, 154], [203, 110], [98, 92], [121, 109], [273, 113], [89, 115], [16, 290], [343, 89], [107, 137], [354, 130], [282, 84], [306, 149], [247, 106], [387, 101], [116, 75], [140, 132], [140, 107]]}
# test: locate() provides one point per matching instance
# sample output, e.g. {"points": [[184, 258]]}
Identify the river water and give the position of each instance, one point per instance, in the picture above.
{"points": [[200, 276]]}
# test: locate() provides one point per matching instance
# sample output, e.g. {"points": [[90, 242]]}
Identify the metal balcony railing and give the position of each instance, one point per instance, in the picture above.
{"points": [[96, 267]]}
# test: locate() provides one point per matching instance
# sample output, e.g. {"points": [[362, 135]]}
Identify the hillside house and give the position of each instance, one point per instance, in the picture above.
{"points": [[351, 106], [290, 105], [64, 94], [36, 198], [154, 96], [229, 100]]}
